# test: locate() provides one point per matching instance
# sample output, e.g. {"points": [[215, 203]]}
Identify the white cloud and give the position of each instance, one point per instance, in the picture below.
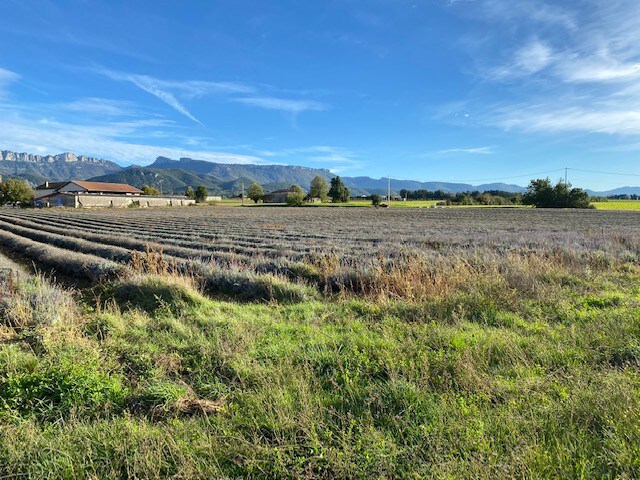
{"points": [[169, 90], [166, 90], [150, 85], [528, 60], [6, 77], [336, 159], [597, 69], [101, 106], [534, 11], [282, 104], [586, 78], [113, 140], [477, 150], [615, 119]]}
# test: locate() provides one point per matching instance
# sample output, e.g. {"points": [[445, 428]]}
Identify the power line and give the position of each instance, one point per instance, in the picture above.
{"points": [[606, 173], [513, 176]]}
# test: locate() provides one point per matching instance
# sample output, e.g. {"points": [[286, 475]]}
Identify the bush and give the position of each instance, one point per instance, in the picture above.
{"points": [[251, 287], [59, 386], [295, 199], [147, 190]]}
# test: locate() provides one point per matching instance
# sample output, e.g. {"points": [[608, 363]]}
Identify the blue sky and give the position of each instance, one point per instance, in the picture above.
{"points": [[452, 90]]}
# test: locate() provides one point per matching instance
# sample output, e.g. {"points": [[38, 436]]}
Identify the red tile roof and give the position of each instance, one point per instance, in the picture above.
{"points": [[108, 187]]}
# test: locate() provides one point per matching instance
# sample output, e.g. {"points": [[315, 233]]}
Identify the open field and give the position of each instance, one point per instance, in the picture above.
{"points": [[618, 205], [321, 343]]}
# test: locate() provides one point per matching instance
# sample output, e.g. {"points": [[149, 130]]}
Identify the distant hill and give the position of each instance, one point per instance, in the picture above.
{"points": [[263, 174], [616, 191], [285, 175], [219, 178], [372, 185], [64, 166], [176, 181]]}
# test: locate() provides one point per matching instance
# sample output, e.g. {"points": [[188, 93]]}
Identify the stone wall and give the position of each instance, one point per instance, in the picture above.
{"points": [[116, 201]]}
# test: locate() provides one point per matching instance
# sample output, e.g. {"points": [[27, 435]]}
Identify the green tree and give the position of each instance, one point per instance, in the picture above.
{"points": [[319, 188], [15, 191], [201, 194], [338, 192], [542, 194], [296, 197], [376, 200], [190, 192], [147, 190], [256, 192]]}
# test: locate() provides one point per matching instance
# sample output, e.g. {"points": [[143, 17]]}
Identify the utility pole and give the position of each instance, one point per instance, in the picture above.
{"points": [[389, 190], [243, 193], [565, 176]]}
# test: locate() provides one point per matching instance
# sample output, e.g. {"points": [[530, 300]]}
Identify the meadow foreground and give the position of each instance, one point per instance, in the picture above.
{"points": [[319, 343]]}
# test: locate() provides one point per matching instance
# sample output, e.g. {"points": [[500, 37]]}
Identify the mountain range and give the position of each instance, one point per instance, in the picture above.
{"points": [[65, 166], [216, 177], [173, 176]]}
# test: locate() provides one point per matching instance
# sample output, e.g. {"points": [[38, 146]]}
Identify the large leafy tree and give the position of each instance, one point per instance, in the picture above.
{"points": [[256, 192], [201, 194], [319, 188], [542, 193], [296, 197], [190, 192], [338, 192], [15, 191]]}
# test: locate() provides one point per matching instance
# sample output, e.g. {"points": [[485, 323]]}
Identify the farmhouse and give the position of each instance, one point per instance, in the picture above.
{"points": [[279, 196], [79, 194], [52, 188]]}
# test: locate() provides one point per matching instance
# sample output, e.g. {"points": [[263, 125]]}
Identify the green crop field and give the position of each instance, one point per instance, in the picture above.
{"points": [[319, 343]]}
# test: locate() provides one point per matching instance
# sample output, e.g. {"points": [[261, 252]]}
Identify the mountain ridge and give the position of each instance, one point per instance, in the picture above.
{"points": [[60, 167], [219, 178]]}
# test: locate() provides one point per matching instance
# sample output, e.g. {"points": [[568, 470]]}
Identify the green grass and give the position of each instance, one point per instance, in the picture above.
{"points": [[487, 381], [618, 205]]}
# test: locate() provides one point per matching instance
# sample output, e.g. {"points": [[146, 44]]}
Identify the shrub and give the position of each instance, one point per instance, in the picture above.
{"points": [[249, 286], [32, 302], [72, 382], [147, 190]]}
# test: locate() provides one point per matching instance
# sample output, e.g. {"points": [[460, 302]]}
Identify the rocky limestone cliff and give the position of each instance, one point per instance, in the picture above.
{"points": [[9, 156], [61, 167]]}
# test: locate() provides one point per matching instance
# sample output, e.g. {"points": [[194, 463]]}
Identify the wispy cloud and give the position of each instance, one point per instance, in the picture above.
{"points": [[153, 86], [118, 141], [585, 81], [6, 77], [283, 104], [149, 85], [535, 11], [169, 91], [528, 60], [101, 106], [336, 159], [477, 150]]}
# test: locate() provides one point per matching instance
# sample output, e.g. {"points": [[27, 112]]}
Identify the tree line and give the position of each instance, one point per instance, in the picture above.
{"points": [[540, 193], [334, 191]]}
